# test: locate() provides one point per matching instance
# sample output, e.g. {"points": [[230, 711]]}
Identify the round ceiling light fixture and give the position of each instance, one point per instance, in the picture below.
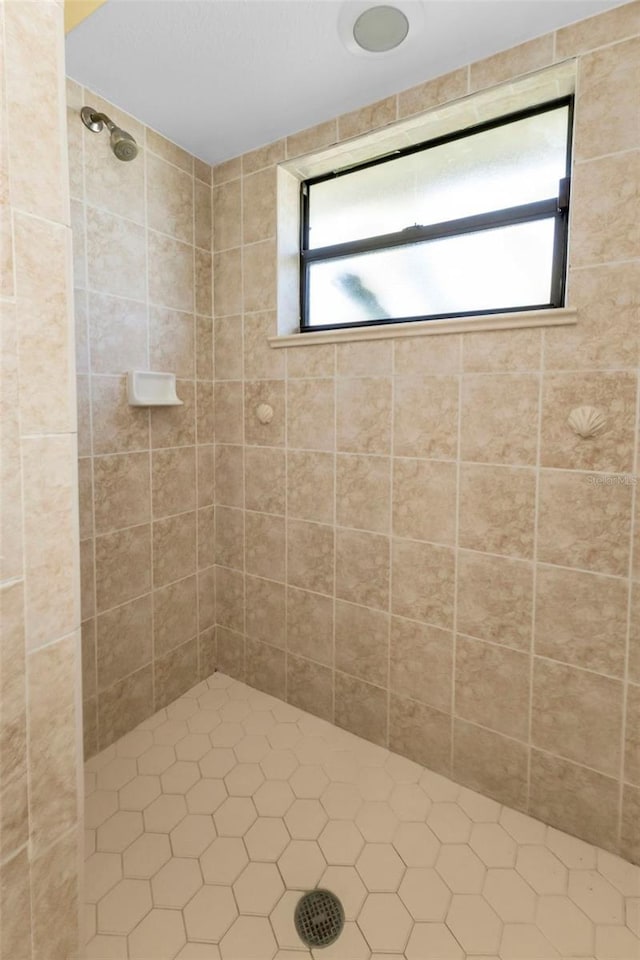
{"points": [[380, 29]]}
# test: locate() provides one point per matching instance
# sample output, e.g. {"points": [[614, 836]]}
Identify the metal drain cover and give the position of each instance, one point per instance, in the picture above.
{"points": [[319, 918]]}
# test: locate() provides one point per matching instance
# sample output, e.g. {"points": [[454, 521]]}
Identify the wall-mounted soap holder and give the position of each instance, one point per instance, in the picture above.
{"points": [[147, 388]]}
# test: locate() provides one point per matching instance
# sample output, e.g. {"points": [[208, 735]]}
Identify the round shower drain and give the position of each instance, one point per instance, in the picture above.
{"points": [[319, 918]]}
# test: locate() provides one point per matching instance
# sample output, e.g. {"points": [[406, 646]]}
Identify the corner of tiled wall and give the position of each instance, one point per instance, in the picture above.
{"points": [[39, 583], [416, 547], [143, 277]]}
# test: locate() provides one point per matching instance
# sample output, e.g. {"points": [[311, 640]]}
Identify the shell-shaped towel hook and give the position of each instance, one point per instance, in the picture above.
{"points": [[587, 421], [264, 412]]}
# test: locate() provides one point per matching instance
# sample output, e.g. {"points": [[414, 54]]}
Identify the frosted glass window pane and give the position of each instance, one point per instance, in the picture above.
{"points": [[496, 269], [517, 163]]}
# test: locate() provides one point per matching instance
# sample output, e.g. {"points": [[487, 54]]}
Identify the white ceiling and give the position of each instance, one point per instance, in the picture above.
{"points": [[220, 77]]}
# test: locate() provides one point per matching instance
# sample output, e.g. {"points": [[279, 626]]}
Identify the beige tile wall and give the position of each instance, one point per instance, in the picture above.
{"points": [[142, 243], [417, 546], [40, 753]]}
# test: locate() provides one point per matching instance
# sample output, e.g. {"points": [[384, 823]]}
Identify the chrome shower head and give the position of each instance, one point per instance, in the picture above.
{"points": [[122, 143]]}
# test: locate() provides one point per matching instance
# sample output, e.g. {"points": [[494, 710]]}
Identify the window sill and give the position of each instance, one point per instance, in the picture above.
{"points": [[561, 317]]}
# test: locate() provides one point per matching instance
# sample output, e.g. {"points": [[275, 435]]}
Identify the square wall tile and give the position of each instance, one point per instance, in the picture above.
{"points": [[420, 733], [581, 618], [424, 500], [362, 568], [495, 599], [361, 708], [500, 418], [574, 798], [497, 509], [584, 521], [362, 642], [492, 687], [491, 764], [421, 663], [577, 715]]}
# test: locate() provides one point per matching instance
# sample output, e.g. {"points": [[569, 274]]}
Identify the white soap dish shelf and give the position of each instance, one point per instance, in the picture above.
{"points": [[146, 388]]}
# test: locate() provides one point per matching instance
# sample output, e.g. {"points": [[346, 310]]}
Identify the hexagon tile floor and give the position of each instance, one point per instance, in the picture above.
{"points": [[206, 822]]}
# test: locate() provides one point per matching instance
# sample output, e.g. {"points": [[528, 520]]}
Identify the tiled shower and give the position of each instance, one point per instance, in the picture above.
{"points": [[413, 570]]}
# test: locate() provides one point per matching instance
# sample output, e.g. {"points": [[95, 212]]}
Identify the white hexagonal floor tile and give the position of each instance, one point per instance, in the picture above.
{"points": [[203, 722], [226, 734], [510, 896], [541, 869], [252, 748], [341, 842], [565, 925], [139, 793], [234, 816], [493, 845], [164, 813], [135, 743], [244, 779], [176, 883], [624, 876], [104, 947], [180, 777], [305, 819], [169, 732], [282, 921], [193, 747], [99, 806], [380, 867], [192, 836], [116, 773], [146, 855], [476, 927], [224, 860], [425, 894], [409, 802], [156, 759], [377, 822], [574, 853], [374, 783], [524, 941], [160, 935], [385, 922], [217, 763], [279, 764], [596, 897], [449, 823], [350, 945], [416, 844], [347, 885], [266, 839], [478, 808], [206, 796], [210, 913], [460, 868], [199, 951], [249, 938], [433, 940], [124, 906], [101, 872], [309, 782], [273, 798], [616, 943], [258, 889], [302, 864], [120, 830], [341, 801]]}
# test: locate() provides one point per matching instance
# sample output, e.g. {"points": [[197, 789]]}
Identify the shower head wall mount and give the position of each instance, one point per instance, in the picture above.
{"points": [[122, 143]]}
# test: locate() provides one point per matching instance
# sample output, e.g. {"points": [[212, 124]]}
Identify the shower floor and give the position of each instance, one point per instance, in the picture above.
{"points": [[206, 823]]}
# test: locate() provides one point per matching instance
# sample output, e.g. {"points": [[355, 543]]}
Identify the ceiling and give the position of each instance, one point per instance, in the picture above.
{"points": [[220, 77]]}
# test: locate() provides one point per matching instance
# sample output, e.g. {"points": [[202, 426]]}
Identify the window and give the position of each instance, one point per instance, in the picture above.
{"points": [[472, 223]]}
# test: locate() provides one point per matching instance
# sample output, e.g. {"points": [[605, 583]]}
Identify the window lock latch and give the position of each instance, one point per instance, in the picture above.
{"points": [[563, 194]]}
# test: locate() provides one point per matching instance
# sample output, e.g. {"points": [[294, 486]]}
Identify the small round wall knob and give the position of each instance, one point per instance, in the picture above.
{"points": [[264, 413]]}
